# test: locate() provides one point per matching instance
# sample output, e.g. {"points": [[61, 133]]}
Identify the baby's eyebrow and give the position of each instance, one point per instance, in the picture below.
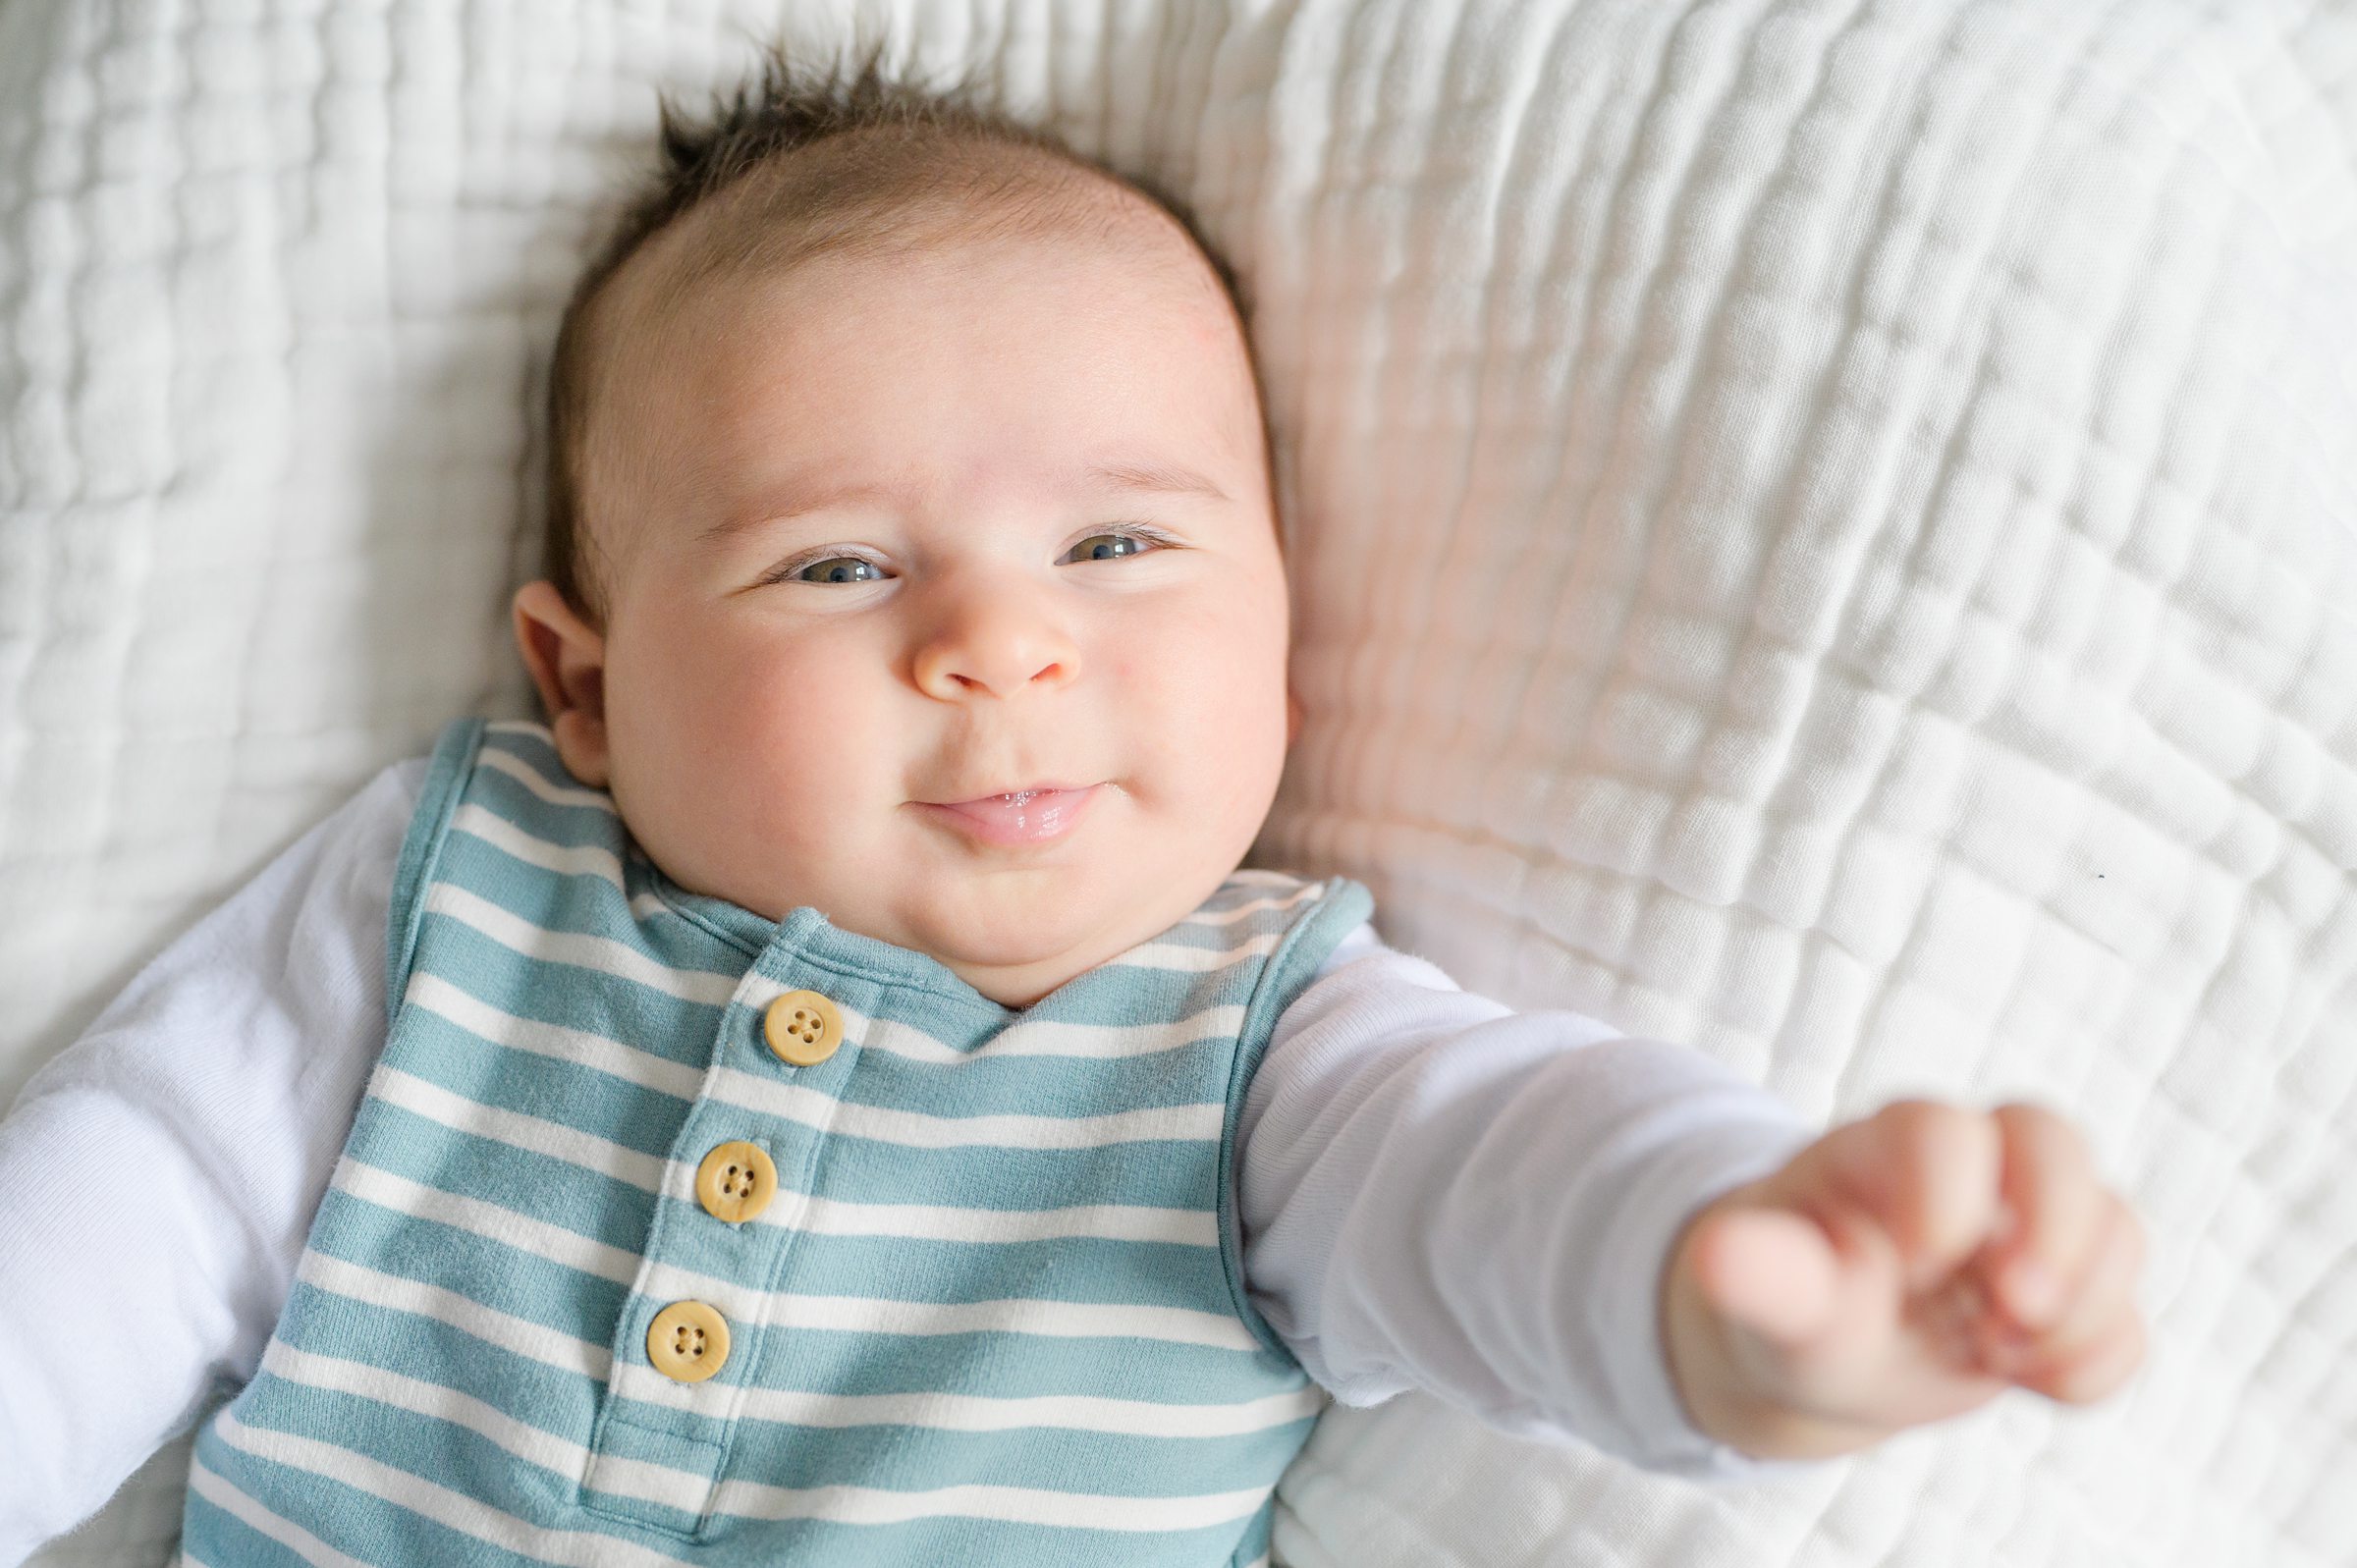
{"points": [[1157, 478], [1149, 477], [753, 520]]}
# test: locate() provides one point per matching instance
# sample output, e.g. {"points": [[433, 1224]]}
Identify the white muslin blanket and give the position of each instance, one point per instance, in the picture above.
{"points": [[1821, 529]]}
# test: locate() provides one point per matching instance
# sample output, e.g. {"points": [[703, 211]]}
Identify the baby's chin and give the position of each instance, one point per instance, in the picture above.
{"points": [[1015, 955]]}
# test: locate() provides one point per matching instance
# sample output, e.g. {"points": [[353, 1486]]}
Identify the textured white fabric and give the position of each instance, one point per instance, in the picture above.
{"points": [[1822, 530], [157, 1181]]}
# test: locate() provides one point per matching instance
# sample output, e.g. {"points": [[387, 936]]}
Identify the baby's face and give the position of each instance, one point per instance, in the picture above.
{"points": [[892, 535]]}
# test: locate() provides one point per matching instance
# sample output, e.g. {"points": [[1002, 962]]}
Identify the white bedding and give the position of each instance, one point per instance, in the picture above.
{"points": [[1822, 530]]}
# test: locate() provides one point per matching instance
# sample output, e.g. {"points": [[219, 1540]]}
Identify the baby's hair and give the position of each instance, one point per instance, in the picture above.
{"points": [[930, 162]]}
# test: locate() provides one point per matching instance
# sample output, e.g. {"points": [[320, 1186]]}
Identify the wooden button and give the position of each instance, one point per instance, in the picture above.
{"points": [[736, 1182], [802, 1027], [687, 1341]]}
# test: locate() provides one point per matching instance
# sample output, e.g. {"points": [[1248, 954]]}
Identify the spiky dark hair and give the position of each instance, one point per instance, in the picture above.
{"points": [[863, 203]]}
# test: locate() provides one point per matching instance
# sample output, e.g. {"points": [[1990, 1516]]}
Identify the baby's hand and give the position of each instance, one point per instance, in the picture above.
{"points": [[1903, 1269]]}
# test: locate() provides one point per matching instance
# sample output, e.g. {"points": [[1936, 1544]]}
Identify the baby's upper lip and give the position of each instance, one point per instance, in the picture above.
{"points": [[968, 799]]}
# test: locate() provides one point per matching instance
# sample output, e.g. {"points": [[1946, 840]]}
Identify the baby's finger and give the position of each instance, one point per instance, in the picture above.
{"points": [[2096, 1370], [2058, 1206], [2102, 1306], [1924, 1172]]}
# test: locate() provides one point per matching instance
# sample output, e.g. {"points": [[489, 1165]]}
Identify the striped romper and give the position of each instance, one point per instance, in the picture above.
{"points": [[668, 1233]]}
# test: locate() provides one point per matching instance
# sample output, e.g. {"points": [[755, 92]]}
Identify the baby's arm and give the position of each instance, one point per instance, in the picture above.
{"points": [[1442, 1194], [157, 1177], [1570, 1233]]}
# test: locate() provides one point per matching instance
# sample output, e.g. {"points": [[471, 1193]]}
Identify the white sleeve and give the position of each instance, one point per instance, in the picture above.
{"points": [[1439, 1193], [158, 1176]]}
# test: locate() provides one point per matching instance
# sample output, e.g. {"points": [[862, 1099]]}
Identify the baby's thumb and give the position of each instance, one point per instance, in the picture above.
{"points": [[1770, 1272]]}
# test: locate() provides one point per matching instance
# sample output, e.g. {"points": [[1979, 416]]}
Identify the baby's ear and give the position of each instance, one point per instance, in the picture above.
{"points": [[567, 661]]}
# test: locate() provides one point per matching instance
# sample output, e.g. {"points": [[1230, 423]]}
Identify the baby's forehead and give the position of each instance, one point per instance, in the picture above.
{"points": [[768, 229], [720, 286]]}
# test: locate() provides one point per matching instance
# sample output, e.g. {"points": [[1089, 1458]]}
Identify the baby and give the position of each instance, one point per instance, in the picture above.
{"points": [[828, 1095]]}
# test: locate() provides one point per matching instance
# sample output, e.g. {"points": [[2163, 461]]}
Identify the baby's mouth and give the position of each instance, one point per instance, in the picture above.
{"points": [[1029, 816]]}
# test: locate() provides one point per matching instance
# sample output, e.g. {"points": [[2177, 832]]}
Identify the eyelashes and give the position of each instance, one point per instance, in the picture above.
{"points": [[794, 570], [848, 558]]}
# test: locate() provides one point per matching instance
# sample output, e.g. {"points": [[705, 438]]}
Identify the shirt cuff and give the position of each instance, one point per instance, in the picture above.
{"points": [[1670, 1188]]}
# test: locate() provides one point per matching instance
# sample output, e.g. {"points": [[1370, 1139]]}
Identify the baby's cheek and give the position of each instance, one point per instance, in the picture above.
{"points": [[1222, 729], [748, 720], [794, 801], [808, 742], [799, 683]]}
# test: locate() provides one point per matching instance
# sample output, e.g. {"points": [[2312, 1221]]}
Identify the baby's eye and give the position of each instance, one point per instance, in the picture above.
{"points": [[1110, 547], [837, 568]]}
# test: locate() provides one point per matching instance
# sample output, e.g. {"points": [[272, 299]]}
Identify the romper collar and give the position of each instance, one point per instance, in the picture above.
{"points": [[806, 932]]}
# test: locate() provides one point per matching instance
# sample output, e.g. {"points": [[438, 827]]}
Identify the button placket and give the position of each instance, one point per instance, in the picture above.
{"points": [[687, 1341]]}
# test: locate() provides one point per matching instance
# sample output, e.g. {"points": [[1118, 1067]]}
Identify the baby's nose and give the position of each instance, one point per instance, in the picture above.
{"points": [[997, 648]]}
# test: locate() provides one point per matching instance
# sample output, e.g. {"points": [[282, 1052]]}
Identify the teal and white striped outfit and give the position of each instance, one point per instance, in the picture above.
{"points": [[995, 1313]]}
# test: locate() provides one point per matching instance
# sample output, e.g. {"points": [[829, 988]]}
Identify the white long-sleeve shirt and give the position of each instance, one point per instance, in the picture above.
{"points": [[158, 1177]]}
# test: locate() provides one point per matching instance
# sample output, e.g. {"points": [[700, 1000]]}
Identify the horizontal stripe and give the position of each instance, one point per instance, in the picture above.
{"points": [[1049, 1037], [1025, 1038], [573, 1548], [689, 1492], [1104, 1222], [226, 1496], [521, 1335], [825, 1114], [556, 794], [1194, 960], [1229, 917], [1023, 1505], [1011, 1315], [582, 951], [787, 1310], [930, 1411], [403, 1196], [955, 1412], [943, 1410], [505, 835], [1044, 1037], [567, 860], [793, 1210], [501, 1275], [526, 1441], [517, 1131], [599, 1052]]}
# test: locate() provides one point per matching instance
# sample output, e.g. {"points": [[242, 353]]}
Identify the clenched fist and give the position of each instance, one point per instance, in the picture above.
{"points": [[1903, 1269]]}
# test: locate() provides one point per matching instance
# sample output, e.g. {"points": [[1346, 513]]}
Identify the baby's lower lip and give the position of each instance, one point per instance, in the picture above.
{"points": [[1029, 817]]}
